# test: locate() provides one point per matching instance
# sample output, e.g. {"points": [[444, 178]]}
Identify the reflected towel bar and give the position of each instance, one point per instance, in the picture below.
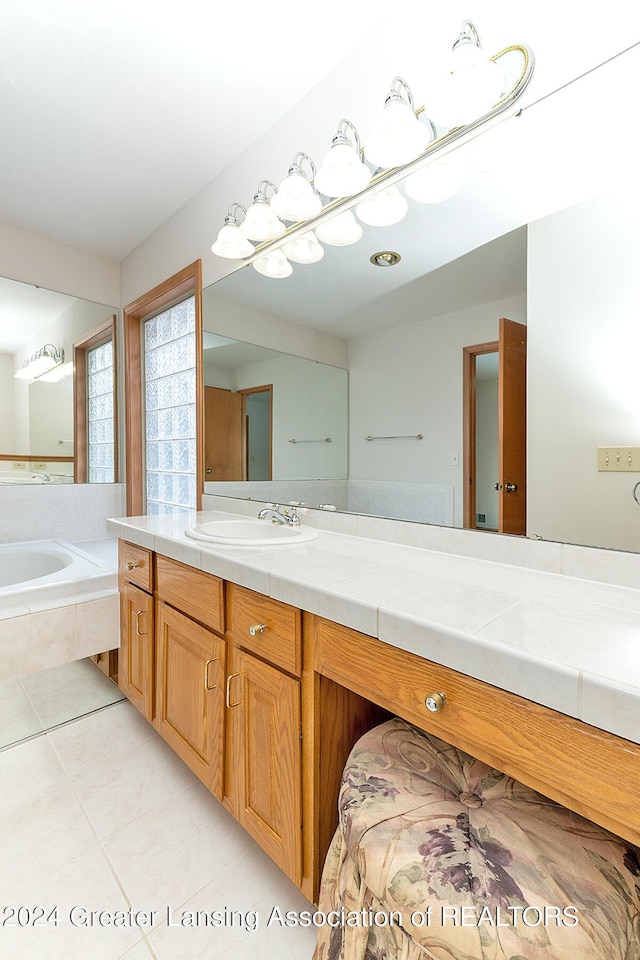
{"points": [[319, 440], [413, 436]]}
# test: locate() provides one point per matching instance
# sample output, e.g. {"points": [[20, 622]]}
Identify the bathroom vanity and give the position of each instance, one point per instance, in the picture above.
{"points": [[263, 694]]}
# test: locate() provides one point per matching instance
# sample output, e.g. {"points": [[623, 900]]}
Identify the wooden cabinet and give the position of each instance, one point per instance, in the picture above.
{"points": [[264, 703], [136, 669], [263, 759], [190, 663], [263, 781]]}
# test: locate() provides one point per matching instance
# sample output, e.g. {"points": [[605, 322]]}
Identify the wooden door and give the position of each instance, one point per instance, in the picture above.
{"points": [[190, 663], [512, 427], [511, 481], [136, 657], [224, 444], [264, 771]]}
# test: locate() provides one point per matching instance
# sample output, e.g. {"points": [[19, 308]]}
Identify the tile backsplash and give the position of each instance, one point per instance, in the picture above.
{"points": [[66, 511]]}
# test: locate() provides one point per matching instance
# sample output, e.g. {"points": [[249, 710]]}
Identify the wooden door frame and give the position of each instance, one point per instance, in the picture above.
{"points": [[99, 335], [469, 355], [265, 388], [185, 283]]}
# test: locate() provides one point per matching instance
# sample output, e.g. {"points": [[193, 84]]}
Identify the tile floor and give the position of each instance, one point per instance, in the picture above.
{"points": [[100, 815], [40, 701]]}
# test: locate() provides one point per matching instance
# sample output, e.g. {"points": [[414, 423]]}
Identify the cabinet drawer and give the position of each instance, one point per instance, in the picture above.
{"points": [[267, 627], [135, 565], [199, 595], [559, 756]]}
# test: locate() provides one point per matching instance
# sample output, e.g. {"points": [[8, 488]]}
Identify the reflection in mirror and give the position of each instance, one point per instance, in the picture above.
{"points": [[35, 703], [542, 235], [37, 415], [269, 416]]}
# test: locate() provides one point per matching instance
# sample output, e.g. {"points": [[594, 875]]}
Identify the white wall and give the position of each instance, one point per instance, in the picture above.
{"points": [[309, 402], [49, 263], [408, 380], [228, 318], [7, 434], [487, 452], [584, 291]]}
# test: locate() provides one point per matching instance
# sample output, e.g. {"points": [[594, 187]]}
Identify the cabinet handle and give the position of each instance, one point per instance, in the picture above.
{"points": [[228, 697], [435, 702], [256, 629], [132, 564], [140, 633], [206, 674]]}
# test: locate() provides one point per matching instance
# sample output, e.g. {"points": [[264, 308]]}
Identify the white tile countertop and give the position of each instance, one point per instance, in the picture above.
{"points": [[567, 643]]}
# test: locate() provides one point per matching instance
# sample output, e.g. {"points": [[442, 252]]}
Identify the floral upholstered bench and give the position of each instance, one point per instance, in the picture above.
{"points": [[438, 856]]}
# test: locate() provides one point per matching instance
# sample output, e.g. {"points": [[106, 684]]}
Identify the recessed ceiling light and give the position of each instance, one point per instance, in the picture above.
{"points": [[385, 258]]}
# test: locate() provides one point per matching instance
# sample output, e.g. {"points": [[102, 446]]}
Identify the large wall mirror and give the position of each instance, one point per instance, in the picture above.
{"points": [[39, 414], [541, 233]]}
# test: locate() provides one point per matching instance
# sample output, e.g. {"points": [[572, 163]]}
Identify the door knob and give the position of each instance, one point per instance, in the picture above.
{"points": [[497, 486], [511, 487]]}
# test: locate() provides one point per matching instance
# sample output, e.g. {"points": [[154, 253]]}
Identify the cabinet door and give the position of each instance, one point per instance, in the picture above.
{"points": [[189, 693], [263, 758], [136, 659]]}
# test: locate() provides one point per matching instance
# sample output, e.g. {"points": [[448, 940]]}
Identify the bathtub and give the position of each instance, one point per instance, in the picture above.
{"points": [[40, 570], [58, 603], [22, 477]]}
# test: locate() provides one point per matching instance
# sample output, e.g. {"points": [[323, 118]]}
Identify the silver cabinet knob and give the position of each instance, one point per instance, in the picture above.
{"points": [[435, 702], [256, 629]]}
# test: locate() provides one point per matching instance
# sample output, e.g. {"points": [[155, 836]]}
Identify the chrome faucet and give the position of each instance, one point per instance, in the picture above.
{"points": [[45, 477], [280, 514]]}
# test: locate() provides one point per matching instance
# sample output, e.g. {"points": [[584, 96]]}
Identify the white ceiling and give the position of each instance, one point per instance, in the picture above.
{"points": [[115, 113]]}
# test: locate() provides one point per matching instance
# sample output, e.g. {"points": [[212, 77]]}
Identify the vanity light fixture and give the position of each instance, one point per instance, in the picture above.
{"points": [[230, 243], [479, 93], [343, 172], [273, 264], [261, 222], [339, 231], [42, 361], [304, 248], [398, 136], [472, 86], [383, 208], [296, 199]]}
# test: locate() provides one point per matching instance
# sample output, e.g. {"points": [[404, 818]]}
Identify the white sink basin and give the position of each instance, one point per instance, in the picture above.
{"points": [[250, 533]]}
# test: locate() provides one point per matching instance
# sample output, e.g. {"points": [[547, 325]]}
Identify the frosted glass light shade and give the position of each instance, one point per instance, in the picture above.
{"points": [[472, 87], [304, 249], [231, 244], [437, 181], [274, 264], [383, 208], [397, 136], [296, 199], [261, 222], [58, 373], [340, 231], [342, 172]]}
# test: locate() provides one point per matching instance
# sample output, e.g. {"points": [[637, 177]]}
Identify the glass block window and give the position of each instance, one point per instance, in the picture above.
{"points": [[170, 409], [100, 420]]}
